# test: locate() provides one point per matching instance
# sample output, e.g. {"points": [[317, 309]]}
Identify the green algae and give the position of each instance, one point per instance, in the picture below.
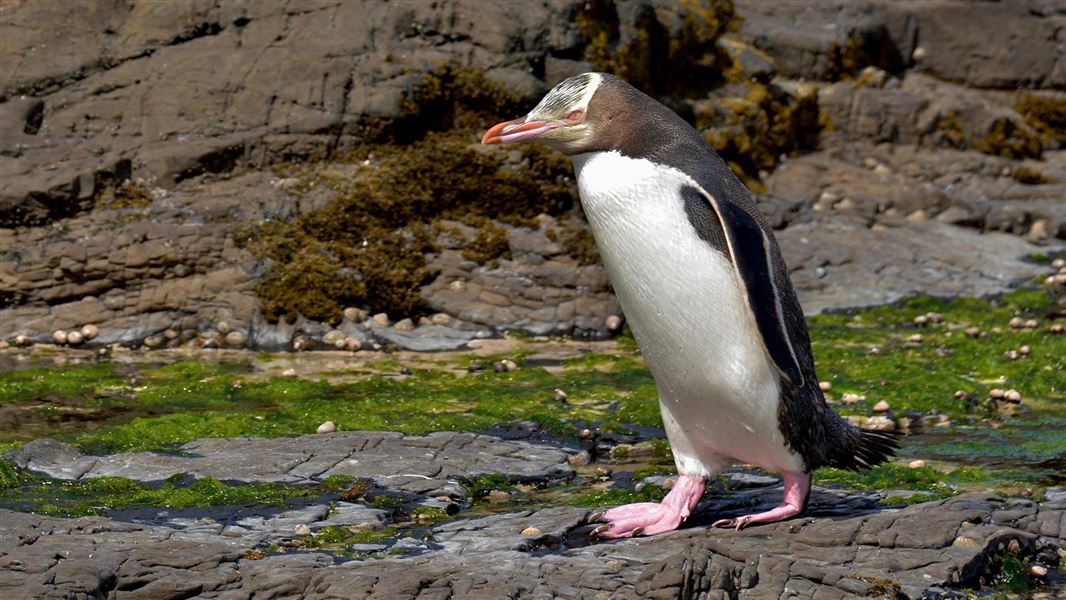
{"points": [[98, 495], [614, 496]]}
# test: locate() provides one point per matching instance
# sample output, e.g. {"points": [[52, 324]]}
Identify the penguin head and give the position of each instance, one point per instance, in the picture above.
{"points": [[566, 119]]}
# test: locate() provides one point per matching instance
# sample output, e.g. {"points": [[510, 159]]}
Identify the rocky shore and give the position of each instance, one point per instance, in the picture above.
{"points": [[890, 150]]}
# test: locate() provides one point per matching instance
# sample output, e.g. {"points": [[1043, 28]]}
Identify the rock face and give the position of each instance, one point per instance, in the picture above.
{"points": [[847, 547], [137, 140]]}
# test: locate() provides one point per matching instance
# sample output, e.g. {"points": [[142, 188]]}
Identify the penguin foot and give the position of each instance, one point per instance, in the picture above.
{"points": [[797, 489], [650, 518]]}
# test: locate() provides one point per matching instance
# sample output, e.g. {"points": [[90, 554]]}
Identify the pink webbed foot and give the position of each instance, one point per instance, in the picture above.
{"points": [[650, 518], [797, 489]]}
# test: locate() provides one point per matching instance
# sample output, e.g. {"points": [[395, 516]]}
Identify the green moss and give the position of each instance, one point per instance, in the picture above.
{"points": [[480, 487], [490, 243], [577, 241], [1029, 176], [44, 383], [1046, 114], [1007, 139], [890, 476], [612, 497], [98, 495]]}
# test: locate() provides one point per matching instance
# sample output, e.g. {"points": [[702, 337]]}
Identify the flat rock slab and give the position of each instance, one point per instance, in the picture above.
{"points": [[920, 551], [430, 464]]}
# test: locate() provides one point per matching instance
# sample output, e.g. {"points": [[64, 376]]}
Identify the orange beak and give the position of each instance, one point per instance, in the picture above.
{"points": [[517, 130]]}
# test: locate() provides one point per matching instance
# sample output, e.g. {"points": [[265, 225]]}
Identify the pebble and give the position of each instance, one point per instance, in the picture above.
{"points": [[381, 319], [301, 343], [505, 366], [585, 434], [334, 337], [1024, 350], [973, 332], [916, 464], [301, 529], [153, 341], [235, 339], [934, 317], [875, 350], [1016, 323], [74, 338], [1057, 329], [353, 344], [475, 366], [613, 323], [171, 334], [919, 53], [825, 386], [498, 496], [996, 393], [22, 340], [290, 372], [921, 320], [881, 407], [850, 398], [1013, 396], [915, 339], [579, 458], [1058, 263], [59, 336], [559, 395], [1012, 355], [1031, 324], [458, 286], [224, 327], [962, 395], [440, 319], [404, 325], [355, 315], [880, 423], [1038, 571], [89, 331], [531, 531], [668, 483], [327, 427]]}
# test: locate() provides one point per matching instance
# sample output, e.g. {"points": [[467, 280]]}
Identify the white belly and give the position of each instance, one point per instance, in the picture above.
{"points": [[718, 391]]}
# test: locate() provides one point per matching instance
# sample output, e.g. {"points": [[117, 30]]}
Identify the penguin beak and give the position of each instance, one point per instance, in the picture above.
{"points": [[517, 130]]}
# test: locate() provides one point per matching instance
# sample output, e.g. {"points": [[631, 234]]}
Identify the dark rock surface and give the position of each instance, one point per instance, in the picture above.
{"points": [[193, 102], [846, 547]]}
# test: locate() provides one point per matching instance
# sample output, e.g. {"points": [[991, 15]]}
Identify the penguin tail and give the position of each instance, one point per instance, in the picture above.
{"points": [[863, 448]]}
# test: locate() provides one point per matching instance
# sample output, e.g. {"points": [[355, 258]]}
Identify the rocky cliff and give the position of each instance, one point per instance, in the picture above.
{"points": [[240, 173]]}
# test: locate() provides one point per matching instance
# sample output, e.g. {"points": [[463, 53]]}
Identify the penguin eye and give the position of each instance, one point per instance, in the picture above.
{"points": [[577, 115]]}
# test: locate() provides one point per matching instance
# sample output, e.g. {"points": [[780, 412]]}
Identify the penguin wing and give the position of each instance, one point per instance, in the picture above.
{"points": [[752, 253]]}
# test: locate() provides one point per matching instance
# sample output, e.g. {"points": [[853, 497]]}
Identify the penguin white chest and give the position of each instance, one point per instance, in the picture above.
{"points": [[719, 392]]}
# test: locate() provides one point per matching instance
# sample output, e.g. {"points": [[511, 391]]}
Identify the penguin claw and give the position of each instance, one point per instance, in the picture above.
{"points": [[596, 516], [637, 531], [595, 533]]}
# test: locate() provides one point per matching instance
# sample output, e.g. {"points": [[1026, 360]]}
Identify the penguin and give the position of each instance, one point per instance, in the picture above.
{"points": [[707, 295]]}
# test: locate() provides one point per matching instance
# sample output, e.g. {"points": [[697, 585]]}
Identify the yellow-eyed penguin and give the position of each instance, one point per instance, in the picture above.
{"points": [[707, 295]]}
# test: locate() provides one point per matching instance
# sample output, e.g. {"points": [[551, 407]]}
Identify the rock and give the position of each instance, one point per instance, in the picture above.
{"points": [[404, 325], [440, 319], [381, 319], [89, 332], [354, 315], [916, 464], [1013, 396], [825, 386], [531, 532], [74, 338], [352, 344], [915, 338], [850, 398], [301, 529], [22, 340], [235, 339], [613, 323], [1016, 323], [881, 407], [559, 395], [223, 327], [290, 372], [59, 337], [880, 423], [153, 341], [996, 394], [327, 427], [505, 366]]}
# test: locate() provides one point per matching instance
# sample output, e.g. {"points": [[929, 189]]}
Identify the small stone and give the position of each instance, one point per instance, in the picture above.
{"points": [[224, 327], [405, 371], [103, 352], [880, 423], [1016, 323], [915, 339], [475, 366], [404, 325], [972, 332], [875, 350], [669, 483], [153, 341], [1057, 329], [1038, 571], [531, 532], [825, 386], [334, 337], [353, 344], [934, 317], [585, 434], [918, 216], [881, 407], [59, 337], [74, 337], [22, 340], [458, 286], [4, 345], [236, 339], [639, 486], [440, 319], [381, 319], [300, 344], [921, 320], [850, 398], [916, 464], [996, 393], [1058, 263], [89, 331], [171, 334], [1031, 324], [290, 372], [1012, 355], [962, 395], [327, 427], [354, 315], [559, 395], [1024, 350], [613, 323], [943, 352], [579, 458], [1013, 396], [498, 496], [301, 529], [505, 366], [919, 53]]}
